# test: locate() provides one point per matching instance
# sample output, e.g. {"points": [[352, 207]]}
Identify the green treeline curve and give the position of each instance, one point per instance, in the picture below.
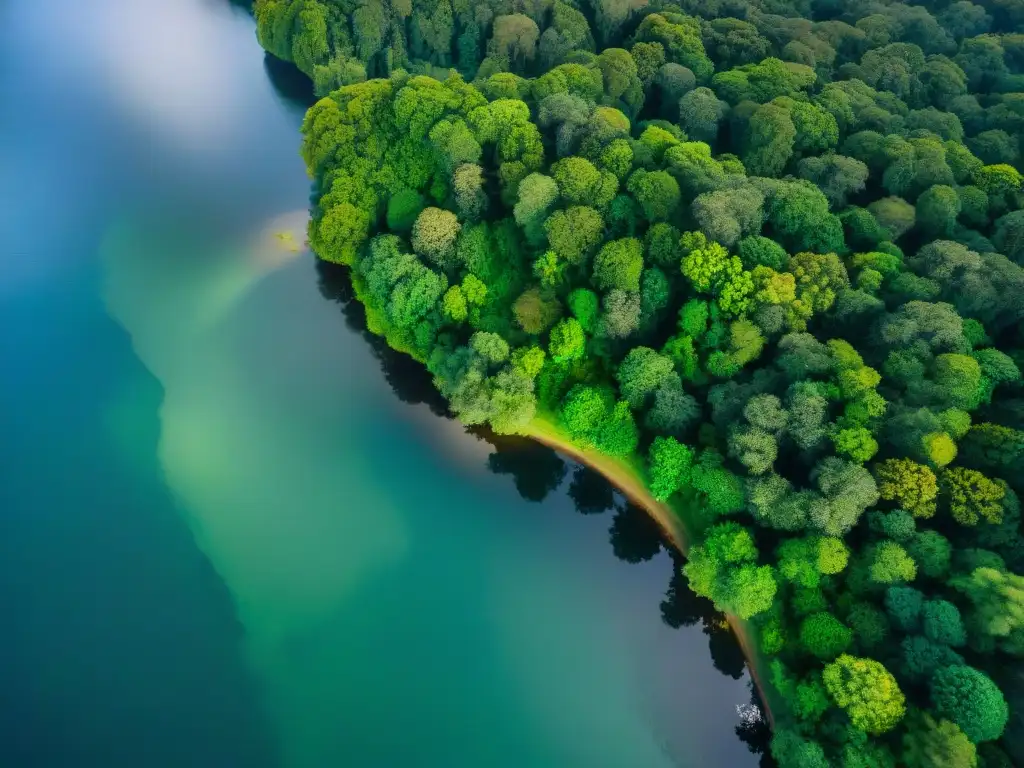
{"points": [[769, 251]]}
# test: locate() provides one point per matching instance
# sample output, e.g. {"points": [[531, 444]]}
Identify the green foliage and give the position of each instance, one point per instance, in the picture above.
{"points": [[867, 692], [517, 227], [912, 486], [722, 569], [618, 265], [997, 600], [824, 636], [642, 372], [791, 749], [574, 233], [567, 342], [969, 699], [921, 657], [972, 497], [669, 464], [870, 626], [937, 744], [721, 490], [857, 443], [941, 623], [889, 563], [403, 209], [434, 234], [584, 306], [931, 552]]}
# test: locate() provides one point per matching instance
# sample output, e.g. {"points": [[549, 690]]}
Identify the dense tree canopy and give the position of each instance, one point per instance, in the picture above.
{"points": [[768, 254]]}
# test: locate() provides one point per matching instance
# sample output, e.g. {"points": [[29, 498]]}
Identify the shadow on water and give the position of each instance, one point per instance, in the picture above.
{"points": [[537, 471], [591, 494], [289, 83], [409, 380]]}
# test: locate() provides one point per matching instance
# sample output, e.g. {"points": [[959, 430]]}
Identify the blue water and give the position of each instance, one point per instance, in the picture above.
{"points": [[230, 535]]}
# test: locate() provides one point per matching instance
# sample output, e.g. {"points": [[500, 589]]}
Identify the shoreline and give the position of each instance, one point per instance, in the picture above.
{"points": [[626, 479]]}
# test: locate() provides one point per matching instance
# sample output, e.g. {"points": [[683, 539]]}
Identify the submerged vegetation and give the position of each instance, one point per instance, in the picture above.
{"points": [[771, 253]]}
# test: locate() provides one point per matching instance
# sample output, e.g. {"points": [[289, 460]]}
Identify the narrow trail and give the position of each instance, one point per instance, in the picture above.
{"points": [[628, 479]]}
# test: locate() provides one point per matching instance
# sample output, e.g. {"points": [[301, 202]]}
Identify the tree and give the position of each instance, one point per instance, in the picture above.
{"points": [[997, 616], [818, 279], [617, 435], [537, 193], [824, 636], [580, 183], [585, 308], [941, 623], [1009, 235], [722, 569], [937, 744], [621, 316], [669, 466], [706, 264], [648, 59], [904, 606], [642, 372], [761, 251], [720, 489], [937, 210], [856, 442], [921, 657], [972, 497], [453, 304], [673, 411], [567, 341], [700, 113], [434, 235], [889, 563], [656, 191], [837, 176], [931, 552], [769, 141], [514, 39], [574, 233], [535, 310], [468, 187], [847, 490], [755, 448], [727, 215], [791, 749], [910, 485], [804, 561], [403, 208], [869, 625], [895, 215], [969, 699], [618, 265], [867, 691], [583, 410]]}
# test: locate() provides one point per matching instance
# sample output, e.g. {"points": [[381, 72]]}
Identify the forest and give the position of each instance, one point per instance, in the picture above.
{"points": [[769, 251]]}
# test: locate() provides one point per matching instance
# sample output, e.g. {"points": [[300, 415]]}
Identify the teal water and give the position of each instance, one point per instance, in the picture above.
{"points": [[233, 531]]}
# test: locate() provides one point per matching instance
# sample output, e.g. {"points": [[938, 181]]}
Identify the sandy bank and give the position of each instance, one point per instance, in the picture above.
{"points": [[629, 480]]}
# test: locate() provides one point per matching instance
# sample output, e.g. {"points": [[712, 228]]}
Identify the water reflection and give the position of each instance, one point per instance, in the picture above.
{"points": [[536, 470], [634, 535], [409, 380], [590, 492], [289, 83]]}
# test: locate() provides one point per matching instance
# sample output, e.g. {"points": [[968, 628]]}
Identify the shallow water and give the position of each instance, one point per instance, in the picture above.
{"points": [[232, 532]]}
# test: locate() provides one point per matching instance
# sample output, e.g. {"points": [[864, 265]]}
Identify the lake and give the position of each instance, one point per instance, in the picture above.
{"points": [[236, 531]]}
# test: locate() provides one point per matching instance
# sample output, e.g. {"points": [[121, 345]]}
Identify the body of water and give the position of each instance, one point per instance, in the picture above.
{"points": [[233, 530]]}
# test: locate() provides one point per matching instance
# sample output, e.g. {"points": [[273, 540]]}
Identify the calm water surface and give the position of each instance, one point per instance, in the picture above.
{"points": [[230, 532]]}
